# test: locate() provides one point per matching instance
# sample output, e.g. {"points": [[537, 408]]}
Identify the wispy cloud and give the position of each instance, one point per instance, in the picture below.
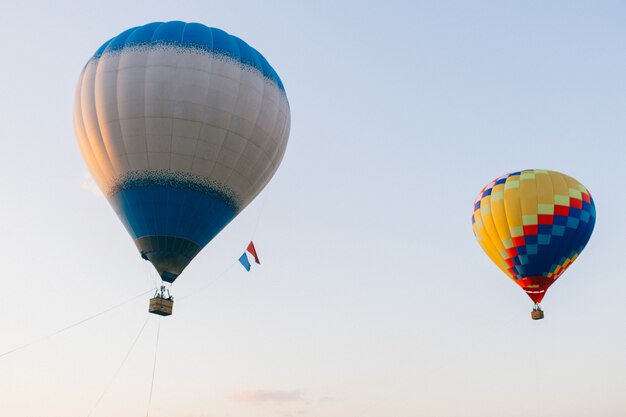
{"points": [[261, 396], [326, 399], [90, 185]]}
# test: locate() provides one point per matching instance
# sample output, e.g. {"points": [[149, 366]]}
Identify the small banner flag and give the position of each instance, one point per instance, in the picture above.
{"points": [[252, 250], [244, 261]]}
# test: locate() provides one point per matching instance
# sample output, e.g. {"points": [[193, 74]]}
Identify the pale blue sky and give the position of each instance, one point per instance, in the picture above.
{"points": [[373, 299]]}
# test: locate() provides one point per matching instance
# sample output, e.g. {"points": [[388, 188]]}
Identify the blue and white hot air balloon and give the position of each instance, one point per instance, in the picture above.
{"points": [[181, 126]]}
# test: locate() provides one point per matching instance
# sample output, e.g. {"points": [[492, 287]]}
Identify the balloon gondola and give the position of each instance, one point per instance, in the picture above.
{"points": [[162, 303], [534, 224], [181, 126]]}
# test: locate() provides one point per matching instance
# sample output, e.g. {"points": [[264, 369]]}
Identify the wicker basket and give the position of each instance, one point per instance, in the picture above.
{"points": [[161, 306]]}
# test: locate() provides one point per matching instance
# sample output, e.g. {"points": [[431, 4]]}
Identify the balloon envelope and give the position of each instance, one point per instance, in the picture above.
{"points": [[533, 224], [181, 126]]}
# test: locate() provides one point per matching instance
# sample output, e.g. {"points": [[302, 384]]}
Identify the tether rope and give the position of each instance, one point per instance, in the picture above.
{"points": [[156, 348], [213, 281], [49, 335], [262, 205], [132, 346]]}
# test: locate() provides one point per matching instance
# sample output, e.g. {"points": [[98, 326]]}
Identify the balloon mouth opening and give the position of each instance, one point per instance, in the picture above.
{"points": [[536, 296], [168, 277], [169, 265], [168, 254], [535, 287]]}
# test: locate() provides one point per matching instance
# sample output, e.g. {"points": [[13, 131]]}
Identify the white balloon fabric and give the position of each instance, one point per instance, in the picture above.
{"points": [[181, 126]]}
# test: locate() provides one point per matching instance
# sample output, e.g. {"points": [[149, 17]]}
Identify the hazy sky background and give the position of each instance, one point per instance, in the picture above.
{"points": [[373, 299]]}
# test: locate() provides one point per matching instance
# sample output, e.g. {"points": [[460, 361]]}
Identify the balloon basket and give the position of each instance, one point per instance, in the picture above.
{"points": [[161, 304], [536, 314]]}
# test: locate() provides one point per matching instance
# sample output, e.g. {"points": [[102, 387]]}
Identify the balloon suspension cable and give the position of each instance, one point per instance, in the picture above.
{"points": [[163, 292]]}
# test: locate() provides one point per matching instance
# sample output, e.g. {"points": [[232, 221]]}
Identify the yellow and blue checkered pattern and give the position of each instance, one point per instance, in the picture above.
{"points": [[533, 223]]}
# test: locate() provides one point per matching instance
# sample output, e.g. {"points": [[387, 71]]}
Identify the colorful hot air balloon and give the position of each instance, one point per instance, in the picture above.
{"points": [[533, 224], [181, 126]]}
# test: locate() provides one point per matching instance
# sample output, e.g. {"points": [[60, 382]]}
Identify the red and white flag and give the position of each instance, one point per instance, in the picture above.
{"points": [[252, 250]]}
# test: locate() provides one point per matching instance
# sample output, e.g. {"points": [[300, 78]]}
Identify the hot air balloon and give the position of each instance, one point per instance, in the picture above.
{"points": [[533, 224], [181, 126]]}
